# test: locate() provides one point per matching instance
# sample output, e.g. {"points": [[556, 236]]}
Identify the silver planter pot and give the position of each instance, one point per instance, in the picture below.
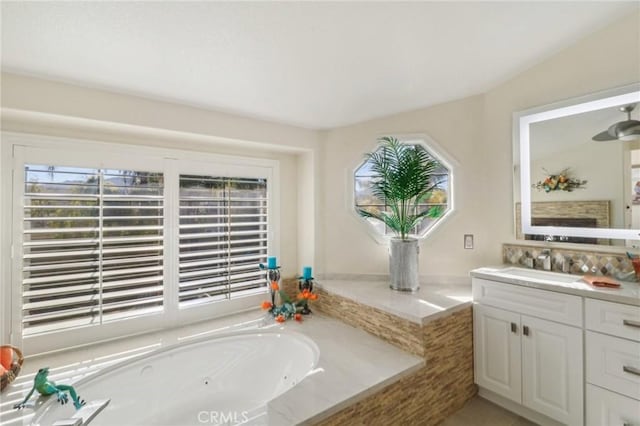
{"points": [[403, 264]]}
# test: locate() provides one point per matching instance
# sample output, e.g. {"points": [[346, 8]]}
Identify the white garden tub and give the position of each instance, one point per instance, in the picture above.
{"points": [[223, 380]]}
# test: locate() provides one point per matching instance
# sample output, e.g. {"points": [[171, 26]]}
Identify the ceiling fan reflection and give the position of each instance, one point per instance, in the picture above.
{"points": [[626, 130]]}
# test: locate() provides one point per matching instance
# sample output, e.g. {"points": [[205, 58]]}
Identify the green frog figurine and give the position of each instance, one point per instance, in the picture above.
{"points": [[47, 387]]}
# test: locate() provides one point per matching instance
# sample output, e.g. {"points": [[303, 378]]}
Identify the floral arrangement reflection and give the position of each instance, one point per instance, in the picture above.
{"points": [[559, 182]]}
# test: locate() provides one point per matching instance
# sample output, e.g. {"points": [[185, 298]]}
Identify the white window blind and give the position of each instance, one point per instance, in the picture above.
{"points": [[92, 246], [223, 238]]}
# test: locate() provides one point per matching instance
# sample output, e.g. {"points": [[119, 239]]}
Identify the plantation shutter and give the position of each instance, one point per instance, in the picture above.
{"points": [[92, 246], [223, 238]]}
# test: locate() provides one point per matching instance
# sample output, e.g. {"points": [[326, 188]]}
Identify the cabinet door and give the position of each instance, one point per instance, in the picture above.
{"points": [[552, 375], [497, 353]]}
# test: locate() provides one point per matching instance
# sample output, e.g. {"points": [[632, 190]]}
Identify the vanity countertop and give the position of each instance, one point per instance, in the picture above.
{"points": [[435, 298], [628, 292]]}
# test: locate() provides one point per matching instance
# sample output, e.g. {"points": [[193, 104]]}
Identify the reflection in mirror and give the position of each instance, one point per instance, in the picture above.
{"points": [[578, 167]]}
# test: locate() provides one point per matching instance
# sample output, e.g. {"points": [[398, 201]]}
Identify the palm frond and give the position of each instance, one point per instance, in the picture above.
{"points": [[403, 176], [388, 218]]}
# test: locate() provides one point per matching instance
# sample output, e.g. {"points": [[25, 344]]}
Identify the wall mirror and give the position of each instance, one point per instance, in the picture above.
{"points": [[577, 170]]}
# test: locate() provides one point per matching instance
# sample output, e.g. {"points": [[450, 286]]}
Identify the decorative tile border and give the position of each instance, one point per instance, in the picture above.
{"points": [[290, 286], [616, 265], [390, 328], [398, 331]]}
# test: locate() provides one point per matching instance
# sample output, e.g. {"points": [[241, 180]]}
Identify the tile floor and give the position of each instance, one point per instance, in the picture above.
{"points": [[480, 412]]}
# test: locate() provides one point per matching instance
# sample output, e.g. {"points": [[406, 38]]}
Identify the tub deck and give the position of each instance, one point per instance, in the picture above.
{"points": [[434, 324], [352, 365]]}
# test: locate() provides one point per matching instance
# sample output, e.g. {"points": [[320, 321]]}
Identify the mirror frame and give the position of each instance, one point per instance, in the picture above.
{"points": [[521, 143]]}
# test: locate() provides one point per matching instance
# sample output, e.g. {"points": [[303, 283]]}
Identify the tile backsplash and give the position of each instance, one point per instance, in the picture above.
{"points": [[572, 261]]}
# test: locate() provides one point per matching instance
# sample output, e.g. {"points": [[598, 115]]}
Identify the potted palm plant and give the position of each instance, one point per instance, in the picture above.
{"points": [[403, 177]]}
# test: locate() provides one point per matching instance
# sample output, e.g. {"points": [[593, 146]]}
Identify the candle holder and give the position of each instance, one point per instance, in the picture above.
{"points": [[305, 284], [282, 307], [273, 280]]}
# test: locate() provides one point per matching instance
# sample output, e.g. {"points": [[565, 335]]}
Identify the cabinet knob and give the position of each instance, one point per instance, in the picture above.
{"points": [[525, 330], [514, 328]]}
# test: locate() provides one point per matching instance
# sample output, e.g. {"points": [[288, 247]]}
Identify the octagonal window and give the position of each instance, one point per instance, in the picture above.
{"points": [[436, 203]]}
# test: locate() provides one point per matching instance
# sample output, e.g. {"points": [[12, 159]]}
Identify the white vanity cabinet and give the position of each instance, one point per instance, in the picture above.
{"points": [[498, 351], [528, 348], [612, 353]]}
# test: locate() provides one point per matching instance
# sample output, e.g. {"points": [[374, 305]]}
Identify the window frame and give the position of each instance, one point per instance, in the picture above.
{"points": [[20, 149], [101, 275], [185, 315], [432, 148]]}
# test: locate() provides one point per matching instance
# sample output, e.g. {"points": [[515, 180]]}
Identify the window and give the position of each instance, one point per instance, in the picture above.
{"points": [[108, 244], [92, 246], [223, 237], [438, 202]]}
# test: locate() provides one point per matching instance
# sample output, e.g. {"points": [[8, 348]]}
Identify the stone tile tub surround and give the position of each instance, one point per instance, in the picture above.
{"points": [[434, 392], [614, 264], [435, 324]]}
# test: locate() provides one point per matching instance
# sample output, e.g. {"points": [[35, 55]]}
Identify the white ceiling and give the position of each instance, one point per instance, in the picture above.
{"points": [[312, 64]]}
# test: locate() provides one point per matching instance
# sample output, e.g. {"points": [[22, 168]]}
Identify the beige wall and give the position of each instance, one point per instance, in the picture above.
{"points": [[456, 127], [32, 94], [477, 132]]}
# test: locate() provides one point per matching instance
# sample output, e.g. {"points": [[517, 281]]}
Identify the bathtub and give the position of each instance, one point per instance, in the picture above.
{"points": [[223, 380]]}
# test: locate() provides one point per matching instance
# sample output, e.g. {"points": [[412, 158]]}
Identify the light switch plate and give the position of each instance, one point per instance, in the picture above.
{"points": [[468, 241]]}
